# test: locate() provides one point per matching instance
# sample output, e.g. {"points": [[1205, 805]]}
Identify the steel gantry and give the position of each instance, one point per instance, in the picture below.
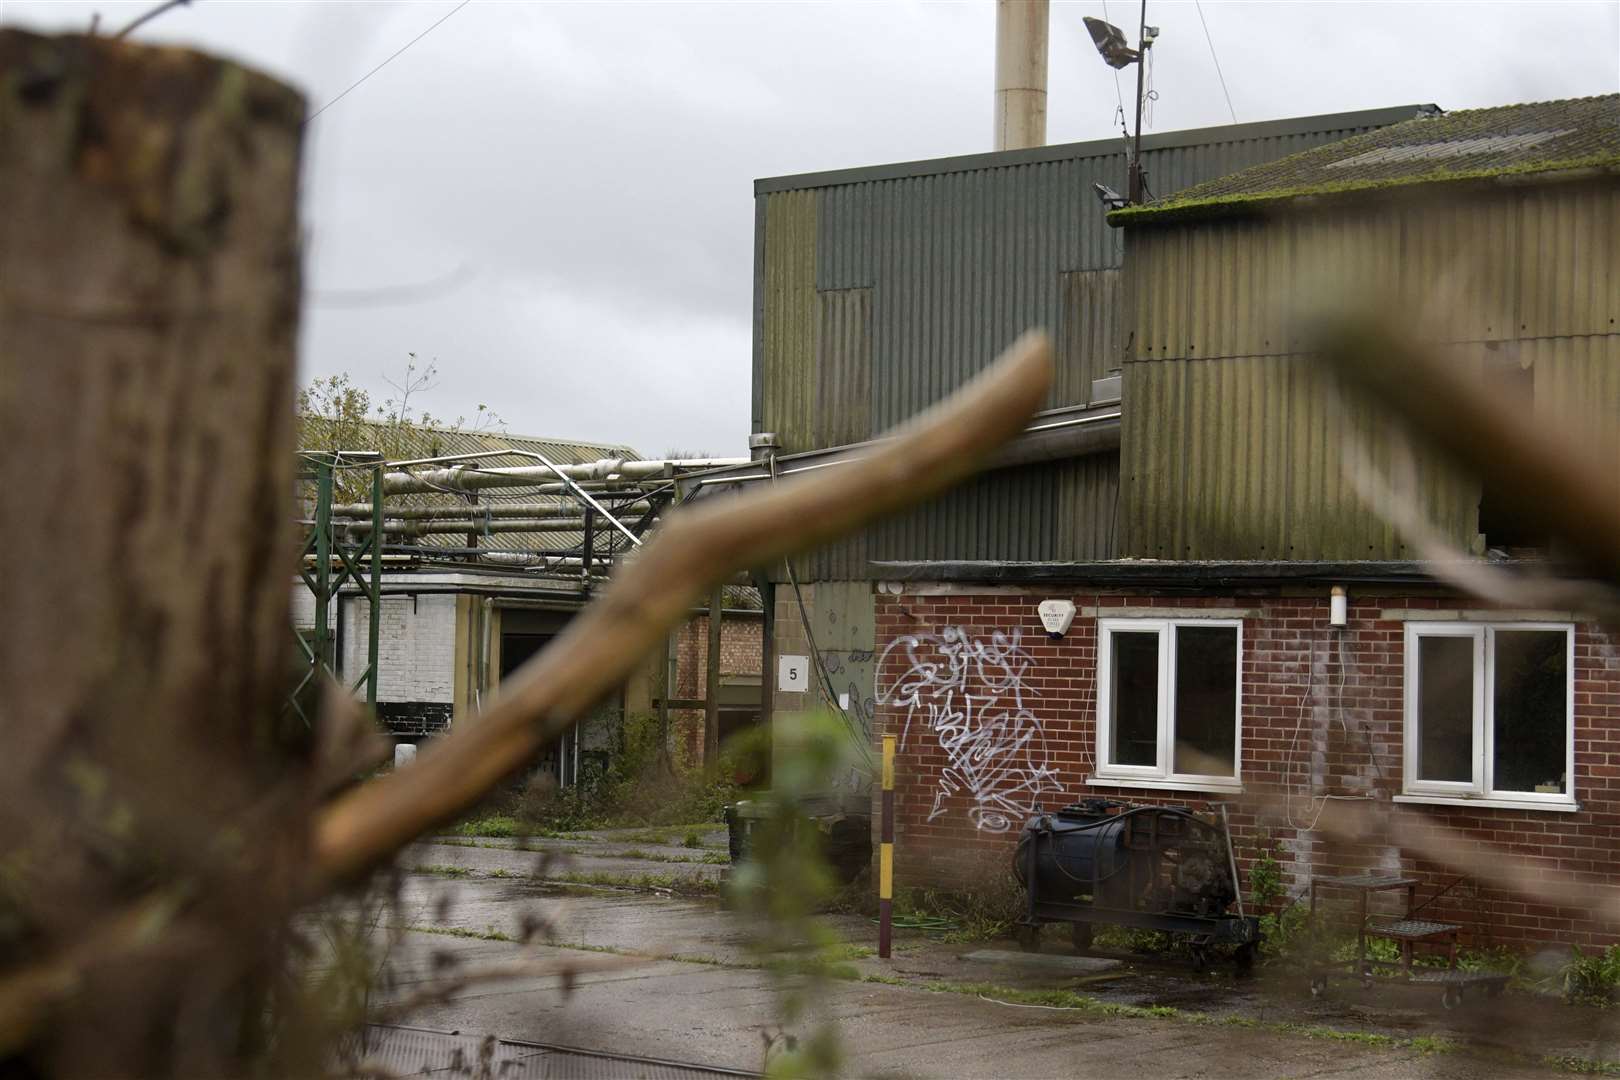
{"points": [[330, 558]]}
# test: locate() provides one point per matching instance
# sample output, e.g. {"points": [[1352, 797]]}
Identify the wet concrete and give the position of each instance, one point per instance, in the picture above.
{"points": [[556, 860], [703, 1006]]}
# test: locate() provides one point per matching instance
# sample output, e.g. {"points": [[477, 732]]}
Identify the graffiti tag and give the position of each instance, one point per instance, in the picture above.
{"points": [[971, 696]]}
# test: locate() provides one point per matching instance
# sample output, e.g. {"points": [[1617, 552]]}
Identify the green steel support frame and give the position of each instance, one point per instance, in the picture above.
{"points": [[353, 561]]}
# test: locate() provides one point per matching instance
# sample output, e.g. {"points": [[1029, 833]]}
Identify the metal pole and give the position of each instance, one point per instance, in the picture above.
{"points": [[374, 596], [886, 855], [1135, 192], [1231, 860], [323, 561], [711, 696]]}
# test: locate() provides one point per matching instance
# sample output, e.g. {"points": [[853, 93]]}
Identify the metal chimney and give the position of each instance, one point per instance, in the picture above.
{"points": [[1020, 73]]}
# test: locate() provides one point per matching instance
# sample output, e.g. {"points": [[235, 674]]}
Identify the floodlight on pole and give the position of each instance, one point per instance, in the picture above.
{"points": [[1117, 53], [1110, 42]]}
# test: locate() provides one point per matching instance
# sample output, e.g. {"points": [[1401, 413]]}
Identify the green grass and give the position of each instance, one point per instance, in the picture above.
{"points": [[489, 933], [707, 859], [644, 882], [502, 826], [443, 870]]}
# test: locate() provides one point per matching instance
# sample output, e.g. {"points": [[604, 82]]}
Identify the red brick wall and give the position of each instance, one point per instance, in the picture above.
{"points": [[1311, 725], [741, 649]]}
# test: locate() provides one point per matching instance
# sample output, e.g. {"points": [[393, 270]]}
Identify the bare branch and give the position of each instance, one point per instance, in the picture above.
{"points": [[1538, 471]]}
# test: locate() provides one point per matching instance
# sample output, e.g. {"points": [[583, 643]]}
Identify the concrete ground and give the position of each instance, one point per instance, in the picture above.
{"points": [[690, 991]]}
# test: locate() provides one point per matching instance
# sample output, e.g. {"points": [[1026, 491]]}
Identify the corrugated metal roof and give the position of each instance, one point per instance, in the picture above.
{"points": [[401, 442], [1547, 136]]}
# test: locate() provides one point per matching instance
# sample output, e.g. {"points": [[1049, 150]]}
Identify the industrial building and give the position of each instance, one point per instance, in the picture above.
{"points": [[483, 563], [1245, 628]]}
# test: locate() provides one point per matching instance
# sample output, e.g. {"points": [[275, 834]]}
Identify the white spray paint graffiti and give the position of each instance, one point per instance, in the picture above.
{"points": [[971, 695]]}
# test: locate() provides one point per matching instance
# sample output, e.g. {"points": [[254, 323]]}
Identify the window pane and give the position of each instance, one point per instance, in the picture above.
{"points": [[1135, 698], [1446, 708], [1205, 729], [1531, 700]]}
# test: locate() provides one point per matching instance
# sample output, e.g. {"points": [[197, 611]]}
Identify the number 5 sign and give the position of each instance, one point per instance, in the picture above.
{"points": [[793, 673]]}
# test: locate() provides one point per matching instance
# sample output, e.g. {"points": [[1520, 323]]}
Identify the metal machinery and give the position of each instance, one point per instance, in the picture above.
{"points": [[1151, 867]]}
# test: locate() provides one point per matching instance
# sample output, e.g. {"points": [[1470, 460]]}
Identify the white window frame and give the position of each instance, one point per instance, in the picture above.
{"points": [[1480, 790], [1161, 775]]}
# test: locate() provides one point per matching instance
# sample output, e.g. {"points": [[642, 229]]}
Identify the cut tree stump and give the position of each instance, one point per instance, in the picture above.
{"points": [[149, 294]]}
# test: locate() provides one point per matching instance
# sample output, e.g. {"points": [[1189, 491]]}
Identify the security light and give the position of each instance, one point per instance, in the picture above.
{"points": [[1110, 41], [1110, 198]]}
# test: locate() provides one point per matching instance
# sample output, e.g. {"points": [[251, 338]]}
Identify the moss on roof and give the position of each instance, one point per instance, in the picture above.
{"points": [[1471, 145]]}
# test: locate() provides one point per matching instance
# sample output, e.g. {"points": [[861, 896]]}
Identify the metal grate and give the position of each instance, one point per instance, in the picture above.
{"points": [[408, 1051], [1412, 929]]}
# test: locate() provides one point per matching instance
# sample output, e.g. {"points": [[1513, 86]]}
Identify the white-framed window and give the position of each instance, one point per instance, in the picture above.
{"points": [[1490, 713], [1170, 702]]}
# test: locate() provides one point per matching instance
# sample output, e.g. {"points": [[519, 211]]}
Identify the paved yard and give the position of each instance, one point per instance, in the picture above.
{"points": [[690, 993]]}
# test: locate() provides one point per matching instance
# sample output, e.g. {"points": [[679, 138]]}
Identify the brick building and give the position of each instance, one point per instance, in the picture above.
{"points": [[1194, 493]]}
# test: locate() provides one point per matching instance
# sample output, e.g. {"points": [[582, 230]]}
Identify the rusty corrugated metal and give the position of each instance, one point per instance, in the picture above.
{"points": [[960, 256], [1232, 447]]}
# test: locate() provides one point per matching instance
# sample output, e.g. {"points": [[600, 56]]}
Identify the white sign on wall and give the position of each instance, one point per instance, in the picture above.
{"points": [[793, 673]]}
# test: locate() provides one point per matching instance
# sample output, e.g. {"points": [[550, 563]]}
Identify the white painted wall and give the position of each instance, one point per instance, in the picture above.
{"points": [[303, 609], [416, 647]]}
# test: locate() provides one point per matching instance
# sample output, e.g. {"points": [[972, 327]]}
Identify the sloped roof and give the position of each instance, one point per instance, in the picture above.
{"points": [[402, 442], [1472, 144]]}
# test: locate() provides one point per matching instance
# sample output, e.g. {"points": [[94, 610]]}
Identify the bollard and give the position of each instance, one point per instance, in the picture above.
{"points": [[886, 854]]}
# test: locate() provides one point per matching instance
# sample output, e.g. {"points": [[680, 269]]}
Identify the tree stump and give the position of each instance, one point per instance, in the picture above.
{"points": [[149, 292]]}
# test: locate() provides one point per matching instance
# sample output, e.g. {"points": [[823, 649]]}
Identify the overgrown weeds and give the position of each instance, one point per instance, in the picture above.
{"points": [[638, 786]]}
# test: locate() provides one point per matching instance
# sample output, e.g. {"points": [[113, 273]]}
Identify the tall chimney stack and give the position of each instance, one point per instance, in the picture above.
{"points": [[1020, 73]]}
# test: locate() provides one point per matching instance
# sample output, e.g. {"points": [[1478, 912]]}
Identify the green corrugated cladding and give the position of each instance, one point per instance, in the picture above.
{"points": [[792, 329], [1233, 446], [882, 290]]}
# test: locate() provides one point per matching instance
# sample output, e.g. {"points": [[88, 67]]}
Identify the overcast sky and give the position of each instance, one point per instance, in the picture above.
{"points": [[573, 181]]}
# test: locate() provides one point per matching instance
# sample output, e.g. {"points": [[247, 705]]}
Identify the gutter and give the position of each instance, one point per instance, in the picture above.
{"points": [[1149, 573]]}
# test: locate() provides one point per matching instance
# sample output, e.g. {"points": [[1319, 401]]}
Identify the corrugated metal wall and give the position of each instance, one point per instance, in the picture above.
{"points": [[1232, 445], [885, 289]]}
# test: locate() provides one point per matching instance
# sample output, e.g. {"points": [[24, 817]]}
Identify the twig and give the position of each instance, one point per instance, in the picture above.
{"points": [[1538, 471], [146, 18], [696, 550]]}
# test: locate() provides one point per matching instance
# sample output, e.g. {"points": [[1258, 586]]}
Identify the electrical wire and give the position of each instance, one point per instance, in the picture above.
{"points": [[355, 85], [1118, 92], [1218, 74], [857, 734]]}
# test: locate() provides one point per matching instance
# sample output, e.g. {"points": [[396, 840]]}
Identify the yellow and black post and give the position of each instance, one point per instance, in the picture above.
{"points": [[886, 853]]}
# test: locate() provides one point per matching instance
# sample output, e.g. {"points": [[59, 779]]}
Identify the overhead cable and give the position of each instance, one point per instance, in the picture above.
{"points": [[1211, 41], [385, 63]]}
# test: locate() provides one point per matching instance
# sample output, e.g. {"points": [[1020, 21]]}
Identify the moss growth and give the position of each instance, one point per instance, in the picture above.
{"points": [[1176, 209]]}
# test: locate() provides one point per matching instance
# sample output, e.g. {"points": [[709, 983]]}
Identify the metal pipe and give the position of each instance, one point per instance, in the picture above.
{"points": [[594, 505], [473, 479], [463, 525], [1071, 437], [609, 490], [1021, 46], [461, 511]]}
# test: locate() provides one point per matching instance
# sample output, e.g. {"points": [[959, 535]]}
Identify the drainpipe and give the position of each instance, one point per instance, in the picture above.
{"points": [[1020, 115]]}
